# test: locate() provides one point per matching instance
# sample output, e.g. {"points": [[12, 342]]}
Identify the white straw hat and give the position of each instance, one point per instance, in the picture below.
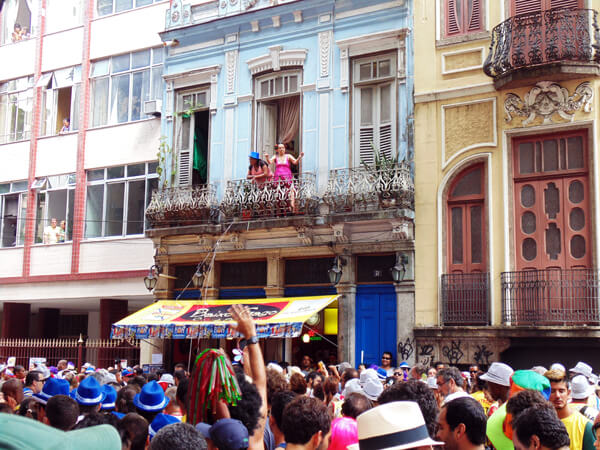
{"points": [[584, 369], [351, 387], [581, 388], [498, 373], [393, 426], [373, 389]]}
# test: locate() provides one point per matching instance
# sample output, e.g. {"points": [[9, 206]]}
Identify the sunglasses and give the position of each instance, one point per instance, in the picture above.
{"points": [[386, 357], [398, 374]]}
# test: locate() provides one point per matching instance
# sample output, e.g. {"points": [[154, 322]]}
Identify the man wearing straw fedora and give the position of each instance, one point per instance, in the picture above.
{"points": [[393, 426]]}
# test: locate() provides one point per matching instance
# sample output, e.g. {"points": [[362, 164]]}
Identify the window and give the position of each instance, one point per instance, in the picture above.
{"points": [[117, 198], [63, 14], [13, 207], [104, 7], [463, 17], [19, 20], [61, 100], [16, 98], [466, 222], [552, 212], [533, 6], [374, 102], [121, 84], [192, 141], [278, 112], [55, 200]]}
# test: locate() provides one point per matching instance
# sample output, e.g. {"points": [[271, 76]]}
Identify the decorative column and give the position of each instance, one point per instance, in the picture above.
{"points": [[347, 311], [405, 297], [274, 289]]}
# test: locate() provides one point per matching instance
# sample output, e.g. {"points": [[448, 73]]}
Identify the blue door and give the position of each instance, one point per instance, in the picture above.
{"points": [[375, 323]]}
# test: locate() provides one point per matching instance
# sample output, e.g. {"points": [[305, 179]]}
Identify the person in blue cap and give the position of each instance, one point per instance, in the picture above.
{"points": [[258, 171], [108, 404], [52, 387], [89, 395], [225, 434], [161, 420], [150, 401]]}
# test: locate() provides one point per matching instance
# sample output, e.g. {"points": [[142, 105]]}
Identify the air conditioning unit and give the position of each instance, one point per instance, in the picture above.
{"points": [[152, 107]]}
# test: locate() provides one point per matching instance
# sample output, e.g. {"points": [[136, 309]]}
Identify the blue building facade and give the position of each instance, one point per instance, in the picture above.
{"points": [[332, 80]]}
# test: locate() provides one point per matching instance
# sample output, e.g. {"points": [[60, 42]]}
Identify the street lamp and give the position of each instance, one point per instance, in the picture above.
{"points": [[151, 279], [335, 273], [200, 275], [399, 269]]}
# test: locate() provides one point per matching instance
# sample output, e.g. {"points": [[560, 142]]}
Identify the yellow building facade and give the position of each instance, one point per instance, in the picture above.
{"points": [[506, 173]]}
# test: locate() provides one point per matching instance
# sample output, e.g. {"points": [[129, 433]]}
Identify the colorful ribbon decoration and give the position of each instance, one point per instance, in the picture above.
{"points": [[213, 380]]}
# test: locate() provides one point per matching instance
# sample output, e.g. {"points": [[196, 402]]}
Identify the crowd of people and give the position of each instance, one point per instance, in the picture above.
{"points": [[250, 405]]}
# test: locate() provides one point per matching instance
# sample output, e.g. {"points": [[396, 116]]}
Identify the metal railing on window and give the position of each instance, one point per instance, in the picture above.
{"points": [[364, 189], [182, 205], [551, 297], [544, 37], [247, 200], [465, 298]]}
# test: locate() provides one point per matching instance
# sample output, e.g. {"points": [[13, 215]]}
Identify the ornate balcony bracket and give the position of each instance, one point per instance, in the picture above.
{"points": [[547, 99], [305, 235], [339, 233]]}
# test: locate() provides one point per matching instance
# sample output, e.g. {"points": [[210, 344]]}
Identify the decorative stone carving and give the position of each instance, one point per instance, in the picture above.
{"points": [[297, 16], [338, 233], [547, 99], [401, 231], [276, 21], [238, 242], [231, 59], [254, 25], [324, 53], [205, 243], [304, 235], [276, 59], [178, 15]]}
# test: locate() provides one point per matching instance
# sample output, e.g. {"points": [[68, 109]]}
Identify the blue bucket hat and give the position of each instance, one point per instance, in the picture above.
{"points": [[254, 155], [381, 373], [152, 398], [404, 365], [161, 420], [110, 397], [89, 392], [226, 434], [52, 387]]}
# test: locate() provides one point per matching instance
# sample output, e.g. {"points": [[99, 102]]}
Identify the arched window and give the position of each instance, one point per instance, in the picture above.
{"points": [[466, 224]]}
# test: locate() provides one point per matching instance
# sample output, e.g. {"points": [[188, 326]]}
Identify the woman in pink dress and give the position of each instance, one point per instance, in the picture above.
{"points": [[283, 168]]}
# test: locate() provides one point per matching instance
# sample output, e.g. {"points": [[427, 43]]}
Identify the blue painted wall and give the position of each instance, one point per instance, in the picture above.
{"points": [[290, 35]]}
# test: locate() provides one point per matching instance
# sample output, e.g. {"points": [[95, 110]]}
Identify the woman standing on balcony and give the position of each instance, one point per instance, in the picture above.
{"points": [[283, 161], [283, 170], [258, 171]]}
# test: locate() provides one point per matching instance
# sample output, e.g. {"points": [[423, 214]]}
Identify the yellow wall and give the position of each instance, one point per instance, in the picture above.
{"points": [[454, 112]]}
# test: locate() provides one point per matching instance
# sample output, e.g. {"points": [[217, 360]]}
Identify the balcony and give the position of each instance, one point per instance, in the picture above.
{"points": [[465, 299], [245, 200], [182, 205], [551, 297], [556, 44], [363, 189]]}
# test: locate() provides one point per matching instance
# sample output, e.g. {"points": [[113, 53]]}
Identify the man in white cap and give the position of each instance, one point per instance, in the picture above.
{"points": [[498, 380], [581, 390], [395, 425], [584, 369]]}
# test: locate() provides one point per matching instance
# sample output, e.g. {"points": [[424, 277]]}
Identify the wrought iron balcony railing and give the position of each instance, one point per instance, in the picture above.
{"points": [[182, 205], [246, 200], [551, 297], [465, 298], [542, 38], [363, 189]]}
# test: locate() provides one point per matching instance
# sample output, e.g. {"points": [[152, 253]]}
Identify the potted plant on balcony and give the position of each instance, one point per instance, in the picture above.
{"points": [[383, 174]]}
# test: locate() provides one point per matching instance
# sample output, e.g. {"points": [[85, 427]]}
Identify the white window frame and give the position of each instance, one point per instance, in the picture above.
{"points": [[16, 188], [63, 15], [15, 92], [8, 20], [47, 186], [134, 5], [104, 70], [105, 182], [51, 83], [376, 82], [259, 110]]}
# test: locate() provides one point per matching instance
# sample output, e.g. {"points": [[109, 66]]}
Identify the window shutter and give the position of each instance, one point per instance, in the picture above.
{"points": [[184, 169], [526, 6], [475, 16], [566, 4], [453, 22], [184, 166], [385, 140], [366, 145]]}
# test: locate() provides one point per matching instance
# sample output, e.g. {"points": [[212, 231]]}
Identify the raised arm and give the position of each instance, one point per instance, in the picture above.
{"points": [[269, 159], [295, 161], [245, 326]]}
